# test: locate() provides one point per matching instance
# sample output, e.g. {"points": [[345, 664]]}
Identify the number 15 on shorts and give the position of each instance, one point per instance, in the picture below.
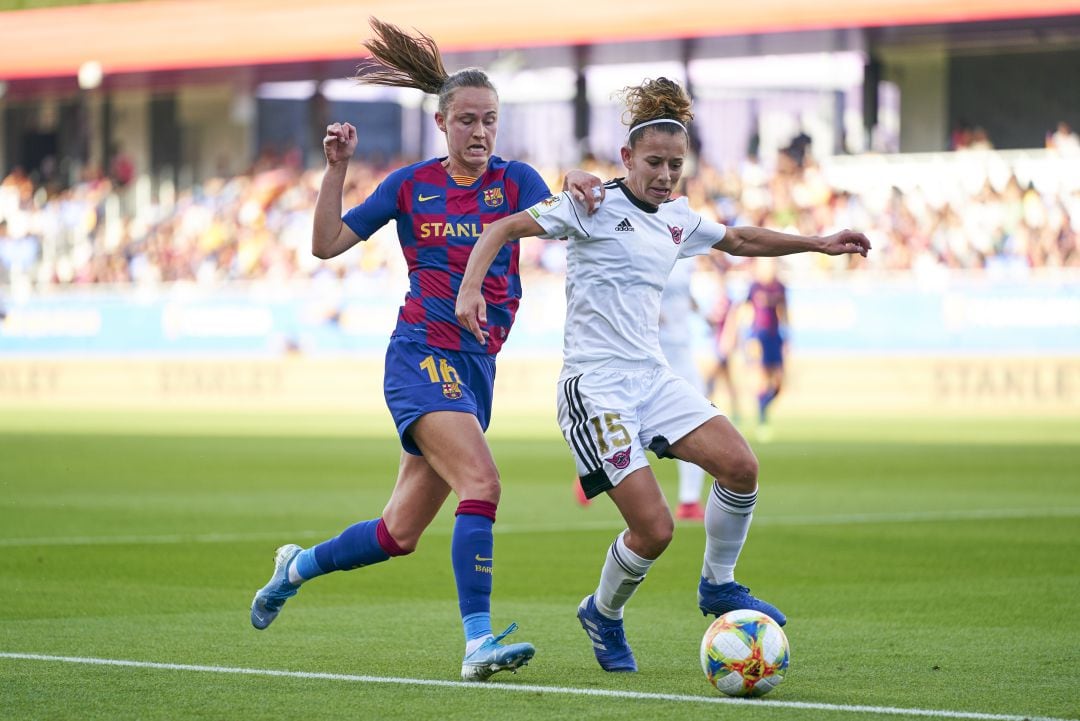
{"points": [[616, 432]]}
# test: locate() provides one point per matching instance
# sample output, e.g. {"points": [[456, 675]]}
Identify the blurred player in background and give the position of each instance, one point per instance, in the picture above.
{"points": [[766, 309], [724, 344], [617, 395], [438, 378], [677, 305]]}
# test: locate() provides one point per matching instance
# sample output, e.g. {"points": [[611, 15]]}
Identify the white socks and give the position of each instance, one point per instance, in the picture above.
{"points": [[691, 477], [727, 521], [623, 571]]}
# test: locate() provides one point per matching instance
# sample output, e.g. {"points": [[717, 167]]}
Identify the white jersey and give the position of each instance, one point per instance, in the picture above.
{"points": [[618, 261]]}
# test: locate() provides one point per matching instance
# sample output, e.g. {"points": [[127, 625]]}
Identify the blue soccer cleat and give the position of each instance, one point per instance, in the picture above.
{"points": [[491, 657], [268, 601], [607, 637], [719, 598]]}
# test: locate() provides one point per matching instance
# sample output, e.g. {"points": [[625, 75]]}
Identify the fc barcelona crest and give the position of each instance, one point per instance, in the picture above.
{"points": [[493, 197], [676, 234], [451, 390]]}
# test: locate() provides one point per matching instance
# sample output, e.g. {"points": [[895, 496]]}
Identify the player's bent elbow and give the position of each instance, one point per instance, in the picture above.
{"points": [[326, 245], [322, 246], [324, 250]]}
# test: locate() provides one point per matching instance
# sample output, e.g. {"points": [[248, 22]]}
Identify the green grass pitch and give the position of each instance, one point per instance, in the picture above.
{"points": [[923, 564]]}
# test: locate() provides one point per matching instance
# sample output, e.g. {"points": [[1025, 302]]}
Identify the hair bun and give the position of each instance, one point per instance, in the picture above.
{"points": [[654, 100]]}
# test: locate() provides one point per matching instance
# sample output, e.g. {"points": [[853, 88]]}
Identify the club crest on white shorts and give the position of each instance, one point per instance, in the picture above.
{"points": [[621, 459]]}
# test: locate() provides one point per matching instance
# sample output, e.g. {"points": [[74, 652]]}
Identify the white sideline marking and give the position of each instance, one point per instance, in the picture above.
{"points": [[163, 539], [972, 514], [527, 688], [507, 528]]}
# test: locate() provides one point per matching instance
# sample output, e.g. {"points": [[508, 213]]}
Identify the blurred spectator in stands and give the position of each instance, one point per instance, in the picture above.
{"points": [[753, 143], [960, 137], [16, 190], [121, 166], [255, 225], [799, 147], [18, 254], [980, 139], [5, 249], [1064, 139]]}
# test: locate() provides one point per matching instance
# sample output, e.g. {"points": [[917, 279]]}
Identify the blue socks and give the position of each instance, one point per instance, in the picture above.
{"points": [[306, 566], [471, 552], [764, 399], [361, 544]]}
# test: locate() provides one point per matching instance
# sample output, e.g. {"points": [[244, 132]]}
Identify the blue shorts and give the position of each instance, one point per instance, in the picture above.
{"points": [[772, 347], [419, 379]]}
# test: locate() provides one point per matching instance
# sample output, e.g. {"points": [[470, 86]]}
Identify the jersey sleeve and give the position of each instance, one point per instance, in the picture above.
{"points": [[531, 187], [702, 235], [378, 209], [559, 217]]}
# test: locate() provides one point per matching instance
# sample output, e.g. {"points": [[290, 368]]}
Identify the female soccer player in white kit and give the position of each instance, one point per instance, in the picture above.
{"points": [[617, 396]]}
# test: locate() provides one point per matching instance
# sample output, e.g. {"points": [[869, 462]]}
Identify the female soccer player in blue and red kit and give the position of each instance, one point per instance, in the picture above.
{"points": [[438, 377], [767, 303]]}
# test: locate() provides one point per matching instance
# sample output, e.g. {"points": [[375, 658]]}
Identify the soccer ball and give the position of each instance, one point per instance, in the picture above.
{"points": [[744, 653]]}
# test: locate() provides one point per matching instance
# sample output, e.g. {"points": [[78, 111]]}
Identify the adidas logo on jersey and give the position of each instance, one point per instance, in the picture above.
{"points": [[624, 225]]}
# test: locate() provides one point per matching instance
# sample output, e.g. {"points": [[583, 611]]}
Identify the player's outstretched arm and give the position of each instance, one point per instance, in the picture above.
{"points": [[750, 241], [471, 308]]}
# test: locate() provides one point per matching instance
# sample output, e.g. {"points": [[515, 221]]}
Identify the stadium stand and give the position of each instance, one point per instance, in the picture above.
{"points": [[1012, 211]]}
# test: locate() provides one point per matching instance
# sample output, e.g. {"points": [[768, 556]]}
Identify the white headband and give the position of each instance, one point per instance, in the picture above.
{"points": [[639, 126]]}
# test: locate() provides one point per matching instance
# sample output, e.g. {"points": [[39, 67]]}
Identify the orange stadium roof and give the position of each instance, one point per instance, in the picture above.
{"points": [[176, 34]]}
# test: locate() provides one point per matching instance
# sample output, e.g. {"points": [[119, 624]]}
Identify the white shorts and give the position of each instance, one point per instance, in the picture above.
{"points": [[610, 416]]}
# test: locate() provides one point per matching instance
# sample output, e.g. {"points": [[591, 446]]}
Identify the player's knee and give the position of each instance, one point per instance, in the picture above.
{"points": [[486, 488], [656, 535], [399, 541], [479, 484], [406, 546], [740, 472]]}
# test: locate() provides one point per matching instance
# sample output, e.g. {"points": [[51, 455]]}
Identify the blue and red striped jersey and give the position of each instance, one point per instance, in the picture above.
{"points": [[438, 222], [765, 298]]}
